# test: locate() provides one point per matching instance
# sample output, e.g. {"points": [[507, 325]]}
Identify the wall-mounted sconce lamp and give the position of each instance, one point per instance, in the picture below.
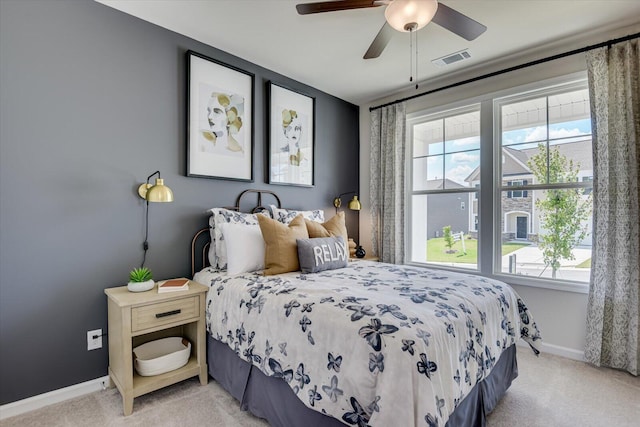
{"points": [[354, 203], [152, 193], [155, 193]]}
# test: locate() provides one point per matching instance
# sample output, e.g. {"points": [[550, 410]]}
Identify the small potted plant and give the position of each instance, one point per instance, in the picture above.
{"points": [[140, 280]]}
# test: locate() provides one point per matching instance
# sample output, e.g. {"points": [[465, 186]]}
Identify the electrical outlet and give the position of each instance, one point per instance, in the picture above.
{"points": [[94, 339]]}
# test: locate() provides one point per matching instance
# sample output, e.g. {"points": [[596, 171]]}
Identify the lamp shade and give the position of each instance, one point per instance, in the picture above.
{"points": [[159, 192], [405, 15], [354, 204]]}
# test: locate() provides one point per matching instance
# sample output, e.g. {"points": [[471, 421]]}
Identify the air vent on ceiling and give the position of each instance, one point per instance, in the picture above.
{"points": [[452, 58]]}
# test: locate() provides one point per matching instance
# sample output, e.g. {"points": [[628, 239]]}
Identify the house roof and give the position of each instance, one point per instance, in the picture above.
{"points": [[578, 151], [515, 161], [440, 184]]}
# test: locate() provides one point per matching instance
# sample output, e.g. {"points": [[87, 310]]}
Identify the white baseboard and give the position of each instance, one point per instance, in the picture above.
{"points": [[55, 396], [569, 353]]}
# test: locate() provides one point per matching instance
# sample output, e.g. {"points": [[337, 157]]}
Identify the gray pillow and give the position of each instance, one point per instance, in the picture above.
{"points": [[322, 253]]}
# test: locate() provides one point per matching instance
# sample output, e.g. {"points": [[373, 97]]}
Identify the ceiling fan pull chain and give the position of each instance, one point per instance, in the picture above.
{"points": [[416, 60], [410, 54]]}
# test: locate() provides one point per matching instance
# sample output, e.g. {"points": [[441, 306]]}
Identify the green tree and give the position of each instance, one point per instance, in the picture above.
{"points": [[563, 212], [448, 238]]}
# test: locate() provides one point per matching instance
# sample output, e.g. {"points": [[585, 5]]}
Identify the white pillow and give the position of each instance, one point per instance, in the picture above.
{"points": [[245, 247], [285, 216], [225, 216]]}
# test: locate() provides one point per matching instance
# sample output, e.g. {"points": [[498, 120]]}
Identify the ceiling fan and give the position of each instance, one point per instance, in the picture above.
{"points": [[404, 16]]}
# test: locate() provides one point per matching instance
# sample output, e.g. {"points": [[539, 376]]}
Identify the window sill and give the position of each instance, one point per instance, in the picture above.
{"points": [[556, 285], [514, 279]]}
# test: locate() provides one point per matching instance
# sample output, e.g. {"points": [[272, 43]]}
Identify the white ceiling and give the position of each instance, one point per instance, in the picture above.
{"points": [[325, 50]]}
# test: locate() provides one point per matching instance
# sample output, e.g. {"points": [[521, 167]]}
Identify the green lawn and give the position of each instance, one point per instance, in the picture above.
{"points": [[437, 250], [585, 264]]}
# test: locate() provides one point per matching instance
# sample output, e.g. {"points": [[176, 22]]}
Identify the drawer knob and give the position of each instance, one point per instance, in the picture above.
{"points": [[168, 313]]}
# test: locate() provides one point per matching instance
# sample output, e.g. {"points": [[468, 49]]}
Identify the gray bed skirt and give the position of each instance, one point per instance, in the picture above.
{"points": [[272, 399]]}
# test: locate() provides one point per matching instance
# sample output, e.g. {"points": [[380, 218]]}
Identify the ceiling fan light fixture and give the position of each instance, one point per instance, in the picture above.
{"points": [[410, 15]]}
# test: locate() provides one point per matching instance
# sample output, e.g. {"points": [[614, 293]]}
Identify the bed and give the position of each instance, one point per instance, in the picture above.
{"points": [[365, 343]]}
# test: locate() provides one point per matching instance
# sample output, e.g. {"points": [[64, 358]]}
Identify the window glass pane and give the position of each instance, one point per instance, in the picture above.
{"points": [[462, 132], [435, 169], [526, 136], [524, 121], [428, 173], [461, 169], [446, 156], [454, 163], [427, 138], [560, 163], [420, 174], [418, 235], [569, 131], [569, 107], [547, 234], [431, 214]]}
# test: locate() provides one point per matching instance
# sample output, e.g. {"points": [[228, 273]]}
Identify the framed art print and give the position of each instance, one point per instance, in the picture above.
{"points": [[220, 120], [291, 136]]}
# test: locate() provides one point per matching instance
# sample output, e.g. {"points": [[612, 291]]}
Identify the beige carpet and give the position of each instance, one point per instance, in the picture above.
{"points": [[550, 391]]}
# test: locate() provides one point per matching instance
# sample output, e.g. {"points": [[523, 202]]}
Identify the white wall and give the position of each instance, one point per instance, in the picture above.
{"points": [[560, 315]]}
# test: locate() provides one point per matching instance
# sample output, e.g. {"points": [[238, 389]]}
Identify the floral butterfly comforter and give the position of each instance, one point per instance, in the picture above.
{"points": [[371, 344]]}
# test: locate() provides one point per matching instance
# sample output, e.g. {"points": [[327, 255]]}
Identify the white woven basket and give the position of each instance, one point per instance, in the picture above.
{"points": [[160, 356]]}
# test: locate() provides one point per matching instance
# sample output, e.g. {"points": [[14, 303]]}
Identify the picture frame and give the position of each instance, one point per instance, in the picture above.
{"points": [[291, 117], [220, 107]]}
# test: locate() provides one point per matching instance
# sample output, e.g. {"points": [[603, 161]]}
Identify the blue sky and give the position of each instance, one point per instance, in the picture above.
{"points": [[463, 155]]}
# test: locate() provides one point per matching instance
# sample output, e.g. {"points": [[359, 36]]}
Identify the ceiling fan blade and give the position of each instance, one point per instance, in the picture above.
{"points": [[380, 42], [458, 23], [332, 6]]}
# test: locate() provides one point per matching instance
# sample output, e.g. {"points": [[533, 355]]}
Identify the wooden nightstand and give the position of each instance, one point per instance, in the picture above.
{"points": [[136, 318]]}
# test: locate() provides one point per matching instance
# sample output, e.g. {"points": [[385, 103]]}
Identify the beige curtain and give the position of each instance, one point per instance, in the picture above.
{"points": [[388, 126], [614, 296]]}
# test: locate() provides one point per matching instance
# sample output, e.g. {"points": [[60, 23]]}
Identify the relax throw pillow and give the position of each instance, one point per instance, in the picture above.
{"points": [[322, 253]]}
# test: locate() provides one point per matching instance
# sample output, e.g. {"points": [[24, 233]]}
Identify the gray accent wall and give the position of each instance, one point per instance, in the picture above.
{"points": [[92, 101]]}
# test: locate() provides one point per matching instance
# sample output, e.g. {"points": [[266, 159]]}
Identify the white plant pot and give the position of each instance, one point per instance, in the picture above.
{"points": [[140, 286]]}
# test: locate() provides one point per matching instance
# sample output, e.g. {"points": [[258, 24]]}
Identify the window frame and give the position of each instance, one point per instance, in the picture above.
{"points": [[422, 117], [488, 195], [518, 96]]}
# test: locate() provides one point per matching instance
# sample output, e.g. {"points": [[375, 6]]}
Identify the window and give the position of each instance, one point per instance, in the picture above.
{"points": [[445, 165], [517, 194], [545, 137], [539, 168]]}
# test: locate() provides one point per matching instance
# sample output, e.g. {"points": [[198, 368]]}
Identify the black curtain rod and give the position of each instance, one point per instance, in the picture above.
{"points": [[514, 68]]}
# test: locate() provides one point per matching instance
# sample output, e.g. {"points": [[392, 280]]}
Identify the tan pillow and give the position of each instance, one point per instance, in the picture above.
{"points": [[333, 228], [281, 249]]}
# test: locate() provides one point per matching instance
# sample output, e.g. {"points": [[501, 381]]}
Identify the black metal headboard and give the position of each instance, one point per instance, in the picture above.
{"points": [[202, 239], [258, 207]]}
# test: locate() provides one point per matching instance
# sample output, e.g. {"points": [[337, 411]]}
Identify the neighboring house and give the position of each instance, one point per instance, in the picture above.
{"points": [[519, 217], [446, 209]]}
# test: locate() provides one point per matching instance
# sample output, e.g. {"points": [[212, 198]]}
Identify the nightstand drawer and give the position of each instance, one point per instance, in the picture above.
{"points": [[162, 313]]}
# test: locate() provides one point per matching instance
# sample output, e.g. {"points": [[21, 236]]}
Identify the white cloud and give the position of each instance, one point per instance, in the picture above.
{"points": [[539, 133], [463, 142], [465, 158], [459, 173], [565, 133]]}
